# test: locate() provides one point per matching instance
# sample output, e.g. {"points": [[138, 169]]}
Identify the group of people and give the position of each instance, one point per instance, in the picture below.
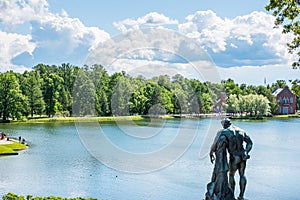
{"points": [[3, 136], [230, 140]]}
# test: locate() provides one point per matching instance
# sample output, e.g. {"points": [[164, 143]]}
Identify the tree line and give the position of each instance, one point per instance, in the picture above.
{"points": [[69, 90]]}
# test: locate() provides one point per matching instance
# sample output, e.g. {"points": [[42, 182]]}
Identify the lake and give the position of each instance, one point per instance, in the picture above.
{"points": [[158, 160]]}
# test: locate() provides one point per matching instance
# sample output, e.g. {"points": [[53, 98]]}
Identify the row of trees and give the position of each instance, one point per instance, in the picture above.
{"points": [[251, 104], [79, 91]]}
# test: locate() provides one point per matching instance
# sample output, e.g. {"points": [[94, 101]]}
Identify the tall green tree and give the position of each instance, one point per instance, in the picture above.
{"points": [[68, 73], [232, 104], [51, 87], [12, 102], [296, 90], [120, 99], [31, 87], [287, 15]]}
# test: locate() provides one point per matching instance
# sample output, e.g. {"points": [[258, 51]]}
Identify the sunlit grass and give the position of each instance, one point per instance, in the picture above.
{"points": [[11, 149]]}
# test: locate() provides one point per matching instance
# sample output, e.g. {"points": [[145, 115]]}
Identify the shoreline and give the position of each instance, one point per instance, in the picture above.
{"points": [[145, 117]]}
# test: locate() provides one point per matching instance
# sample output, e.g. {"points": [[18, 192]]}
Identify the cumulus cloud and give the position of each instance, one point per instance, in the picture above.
{"points": [[256, 75], [154, 51], [152, 19], [54, 38], [12, 45], [15, 12], [238, 41]]}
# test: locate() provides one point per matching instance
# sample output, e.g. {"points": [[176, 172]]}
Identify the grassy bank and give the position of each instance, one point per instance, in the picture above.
{"points": [[12, 196], [82, 119], [141, 117], [289, 116], [286, 116], [11, 149]]}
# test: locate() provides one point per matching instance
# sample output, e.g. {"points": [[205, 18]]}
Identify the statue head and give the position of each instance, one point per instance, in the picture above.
{"points": [[226, 122]]}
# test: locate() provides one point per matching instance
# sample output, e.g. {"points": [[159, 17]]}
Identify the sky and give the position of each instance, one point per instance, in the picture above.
{"points": [[236, 38]]}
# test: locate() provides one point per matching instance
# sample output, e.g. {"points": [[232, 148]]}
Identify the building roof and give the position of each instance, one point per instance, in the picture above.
{"points": [[277, 91]]}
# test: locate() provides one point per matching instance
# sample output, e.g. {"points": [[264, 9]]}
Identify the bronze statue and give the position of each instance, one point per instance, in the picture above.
{"points": [[238, 155], [218, 188]]}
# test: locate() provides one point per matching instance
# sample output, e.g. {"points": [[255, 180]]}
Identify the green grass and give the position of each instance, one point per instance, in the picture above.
{"points": [[6, 151], [11, 149], [82, 119], [286, 116]]}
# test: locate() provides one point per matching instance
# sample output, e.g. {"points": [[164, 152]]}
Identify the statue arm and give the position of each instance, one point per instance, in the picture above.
{"points": [[214, 147], [249, 145]]}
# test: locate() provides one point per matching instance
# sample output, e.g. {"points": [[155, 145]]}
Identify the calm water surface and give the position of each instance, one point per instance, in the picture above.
{"points": [[58, 164]]}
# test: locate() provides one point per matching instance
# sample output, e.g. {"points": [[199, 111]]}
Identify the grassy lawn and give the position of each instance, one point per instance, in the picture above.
{"points": [[286, 116], [11, 149], [72, 119], [99, 119]]}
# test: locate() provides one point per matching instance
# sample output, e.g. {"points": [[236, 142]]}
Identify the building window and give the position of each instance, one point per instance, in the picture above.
{"points": [[285, 110], [291, 100], [292, 110], [285, 100]]}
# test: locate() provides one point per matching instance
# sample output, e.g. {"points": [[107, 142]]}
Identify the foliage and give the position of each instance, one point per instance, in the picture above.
{"points": [[287, 14], [251, 104], [69, 90], [296, 90], [12, 102]]}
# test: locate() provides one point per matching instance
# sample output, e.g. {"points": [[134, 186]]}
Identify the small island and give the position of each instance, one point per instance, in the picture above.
{"points": [[11, 146]]}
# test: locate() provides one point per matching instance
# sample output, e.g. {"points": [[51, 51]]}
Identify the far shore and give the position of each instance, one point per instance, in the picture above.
{"points": [[143, 117]]}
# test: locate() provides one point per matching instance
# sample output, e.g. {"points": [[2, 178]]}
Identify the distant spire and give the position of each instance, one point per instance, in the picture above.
{"points": [[265, 81]]}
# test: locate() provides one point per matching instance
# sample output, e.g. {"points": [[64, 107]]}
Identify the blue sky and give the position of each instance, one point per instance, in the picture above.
{"points": [[237, 35]]}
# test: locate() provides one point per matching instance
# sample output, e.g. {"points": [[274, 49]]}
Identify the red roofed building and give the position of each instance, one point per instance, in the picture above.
{"points": [[286, 100]]}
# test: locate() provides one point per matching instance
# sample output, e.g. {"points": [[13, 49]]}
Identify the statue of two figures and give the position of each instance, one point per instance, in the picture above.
{"points": [[230, 139]]}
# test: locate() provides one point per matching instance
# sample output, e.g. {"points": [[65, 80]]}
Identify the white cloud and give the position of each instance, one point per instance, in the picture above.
{"points": [[12, 45], [154, 51], [14, 12], [151, 19], [256, 75], [53, 38], [248, 37]]}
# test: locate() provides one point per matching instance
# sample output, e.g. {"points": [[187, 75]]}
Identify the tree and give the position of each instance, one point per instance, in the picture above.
{"points": [[84, 95], [287, 14], [231, 87], [51, 86], [31, 87], [121, 96], [206, 103], [268, 93], [179, 100], [296, 90], [12, 102], [69, 74], [232, 104], [260, 105]]}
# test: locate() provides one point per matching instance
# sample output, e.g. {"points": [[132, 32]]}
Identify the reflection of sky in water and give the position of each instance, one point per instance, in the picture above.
{"points": [[58, 164]]}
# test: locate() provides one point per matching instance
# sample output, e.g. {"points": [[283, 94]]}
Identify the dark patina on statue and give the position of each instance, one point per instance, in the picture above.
{"points": [[230, 139]]}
